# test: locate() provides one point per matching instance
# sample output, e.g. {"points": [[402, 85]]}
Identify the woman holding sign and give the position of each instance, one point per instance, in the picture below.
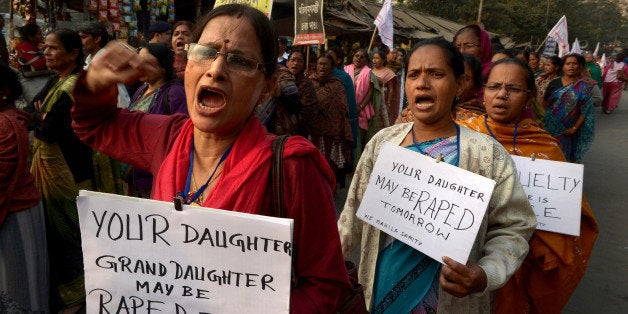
{"points": [[220, 156], [400, 279], [556, 262]]}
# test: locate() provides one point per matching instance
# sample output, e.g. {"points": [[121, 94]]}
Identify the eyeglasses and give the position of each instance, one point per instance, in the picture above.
{"points": [[206, 55], [467, 46], [510, 89]]}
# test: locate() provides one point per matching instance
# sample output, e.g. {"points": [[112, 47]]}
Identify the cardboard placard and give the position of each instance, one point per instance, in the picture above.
{"points": [[432, 206], [554, 190], [142, 256]]}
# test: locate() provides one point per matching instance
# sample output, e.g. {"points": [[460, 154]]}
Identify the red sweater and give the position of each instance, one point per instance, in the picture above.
{"points": [[17, 185], [161, 145]]}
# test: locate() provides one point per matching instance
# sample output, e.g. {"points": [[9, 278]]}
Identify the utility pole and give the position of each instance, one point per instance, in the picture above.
{"points": [[480, 12]]}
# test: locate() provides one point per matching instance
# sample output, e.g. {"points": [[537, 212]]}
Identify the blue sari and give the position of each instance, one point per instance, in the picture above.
{"points": [[565, 105], [406, 280]]}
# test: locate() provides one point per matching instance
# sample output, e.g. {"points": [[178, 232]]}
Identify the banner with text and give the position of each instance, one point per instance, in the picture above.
{"points": [[432, 206], [308, 22], [265, 6], [142, 256], [554, 190]]}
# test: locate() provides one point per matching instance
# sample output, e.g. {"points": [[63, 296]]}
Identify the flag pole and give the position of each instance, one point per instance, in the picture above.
{"points": [[372, 39], [541, 45]]}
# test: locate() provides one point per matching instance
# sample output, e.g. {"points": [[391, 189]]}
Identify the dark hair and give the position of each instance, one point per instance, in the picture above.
{"points": [[296, 51], [9, 79], [506, 52], [328, 56], [557, 61], [165, 57], [534, 53], [366, 55], [183, 22], [453, 56], [95, 29], [340, 54], [264, 31], [579, 59], [70, 40], [476, 69], [525, 53], [381, 56], [472, 28], [526, 68], [29, 30]]}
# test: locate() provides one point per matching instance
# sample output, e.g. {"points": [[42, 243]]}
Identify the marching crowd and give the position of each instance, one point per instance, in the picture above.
{"points": [[193, 114]]}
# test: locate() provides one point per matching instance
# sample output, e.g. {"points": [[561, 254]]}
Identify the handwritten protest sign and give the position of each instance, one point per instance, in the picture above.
{"points": [[432, 206], [142, 256], [555, 192]]}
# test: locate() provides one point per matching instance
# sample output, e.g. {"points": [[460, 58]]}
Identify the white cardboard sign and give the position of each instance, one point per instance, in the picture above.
{"points": [[142, 256], [432, 206], [554, 190]]}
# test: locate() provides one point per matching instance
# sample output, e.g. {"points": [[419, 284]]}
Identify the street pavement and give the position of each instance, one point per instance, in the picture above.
{"points": [[604, 288]]}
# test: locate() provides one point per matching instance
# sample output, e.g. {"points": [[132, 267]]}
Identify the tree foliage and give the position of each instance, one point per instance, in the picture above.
{"points": [[530, 20]]}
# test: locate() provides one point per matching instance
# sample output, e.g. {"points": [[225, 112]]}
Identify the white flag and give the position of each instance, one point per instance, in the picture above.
{"points": [[384, 23], [559, 32], [597, 49], [602, 62], [576, 47]]}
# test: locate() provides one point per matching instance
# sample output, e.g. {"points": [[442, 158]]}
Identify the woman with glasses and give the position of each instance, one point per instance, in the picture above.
{"points": [[556, 262], [372, 115], [474, 40], [569, 116], [330, 130], [396, 277], [222, 152]]}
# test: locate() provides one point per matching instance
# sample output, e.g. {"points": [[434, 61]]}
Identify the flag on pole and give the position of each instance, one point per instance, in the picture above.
{"points": [[602, 62], [575, 48], [384, 23], [597, 48], [559, 32]]}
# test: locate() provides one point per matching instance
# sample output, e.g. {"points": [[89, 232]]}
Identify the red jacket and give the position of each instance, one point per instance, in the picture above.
{"points": [[17, 185], [161, 145]]}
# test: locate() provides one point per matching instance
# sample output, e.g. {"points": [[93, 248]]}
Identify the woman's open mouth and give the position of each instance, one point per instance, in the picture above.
{"points": [[423, 102], [211, 100]]}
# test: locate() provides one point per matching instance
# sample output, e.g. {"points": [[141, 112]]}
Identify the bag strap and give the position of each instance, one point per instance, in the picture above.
{"points": [[276, 177]]}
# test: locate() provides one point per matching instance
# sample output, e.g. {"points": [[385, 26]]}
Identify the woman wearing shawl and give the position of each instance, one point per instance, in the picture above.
{"points": [[372, 115], [307, 92], [556, 262], [474, 40], [389, 83], [569, 115], [551, 67], [23, 249], [329, 122], [221, 151], [62, 165], [400, 279], [347, 82]]}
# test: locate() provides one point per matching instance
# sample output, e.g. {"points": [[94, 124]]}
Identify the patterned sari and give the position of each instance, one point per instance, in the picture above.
{"points": [[565, 105], [54, 179], [406, 280]]}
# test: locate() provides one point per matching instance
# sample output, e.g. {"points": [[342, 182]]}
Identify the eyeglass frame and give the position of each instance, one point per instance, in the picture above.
{"points": [[467, 46], [227, 55], [510, 89]]}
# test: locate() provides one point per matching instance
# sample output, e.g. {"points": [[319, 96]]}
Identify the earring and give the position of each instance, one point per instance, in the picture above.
{"points": [[456, 99]]}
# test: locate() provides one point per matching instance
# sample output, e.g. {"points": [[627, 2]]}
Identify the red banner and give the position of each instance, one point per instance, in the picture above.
{"points": [[308, 22]]}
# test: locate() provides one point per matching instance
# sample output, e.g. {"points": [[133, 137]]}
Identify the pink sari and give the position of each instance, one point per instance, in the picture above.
{"points": [[361, 89]]}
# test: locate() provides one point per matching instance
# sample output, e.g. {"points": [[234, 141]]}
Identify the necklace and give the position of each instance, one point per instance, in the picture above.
{"points": [[440, 156], [514, 137], [189, 197]]}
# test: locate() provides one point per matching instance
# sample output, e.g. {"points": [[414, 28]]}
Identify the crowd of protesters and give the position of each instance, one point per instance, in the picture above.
{"points": [[131, 120]]}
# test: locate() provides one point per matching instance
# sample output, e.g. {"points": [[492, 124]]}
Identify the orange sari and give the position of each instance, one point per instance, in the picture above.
{"points": [[556, 262]]}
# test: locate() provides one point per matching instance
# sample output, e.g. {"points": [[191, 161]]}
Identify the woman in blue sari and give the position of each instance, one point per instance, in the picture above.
{"points": [[569, 116], [396, 277]]}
